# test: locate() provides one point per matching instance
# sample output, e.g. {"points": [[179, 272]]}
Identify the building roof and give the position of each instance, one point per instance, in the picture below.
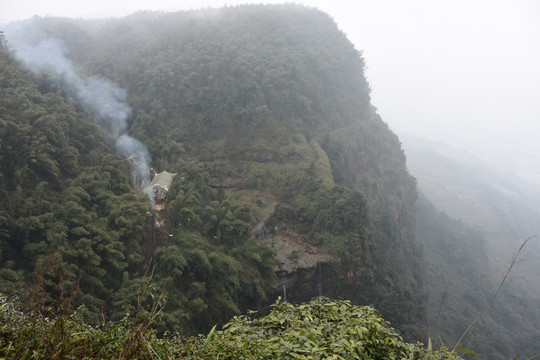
{"points": [[163, 179]]}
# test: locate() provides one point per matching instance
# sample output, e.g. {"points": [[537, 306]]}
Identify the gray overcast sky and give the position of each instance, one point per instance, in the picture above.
{"points": [[465, 72]]}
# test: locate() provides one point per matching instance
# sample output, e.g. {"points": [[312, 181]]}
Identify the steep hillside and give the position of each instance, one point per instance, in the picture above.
{"points": [[460, 291], [463, 266], [71, 220], [264, 114], [501, 205], [63, 194]]}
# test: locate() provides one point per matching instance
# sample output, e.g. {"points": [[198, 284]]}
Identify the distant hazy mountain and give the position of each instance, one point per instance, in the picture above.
{"points": [[465, 266], [500, 203]]}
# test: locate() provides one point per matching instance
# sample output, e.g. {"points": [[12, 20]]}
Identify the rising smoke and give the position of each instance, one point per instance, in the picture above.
{"points": [[105, 101]]}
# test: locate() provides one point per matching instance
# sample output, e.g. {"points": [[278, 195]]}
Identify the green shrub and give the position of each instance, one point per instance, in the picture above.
{"points": [[320, 329]]}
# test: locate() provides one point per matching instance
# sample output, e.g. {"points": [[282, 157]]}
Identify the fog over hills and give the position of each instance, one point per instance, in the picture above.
{"points": [[487, 215], [500, 204], [288, 180], [465, 73]]}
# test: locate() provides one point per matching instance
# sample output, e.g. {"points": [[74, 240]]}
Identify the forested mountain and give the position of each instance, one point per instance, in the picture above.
{"points": [[264, 114], [62, 190], [500, 204], [287, 183], [466, 259]]}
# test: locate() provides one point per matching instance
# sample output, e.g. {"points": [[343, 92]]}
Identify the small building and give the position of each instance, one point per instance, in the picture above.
{"points": [[161, 184]]}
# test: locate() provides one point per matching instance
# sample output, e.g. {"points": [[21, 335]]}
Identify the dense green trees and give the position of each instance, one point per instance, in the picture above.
{"points": [[207, 259], [269, 99], [83, 208], [243, 103], [62, 189]]}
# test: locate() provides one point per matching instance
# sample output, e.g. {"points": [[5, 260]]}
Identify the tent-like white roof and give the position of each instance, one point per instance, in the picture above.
{"points": [[163, 180]]}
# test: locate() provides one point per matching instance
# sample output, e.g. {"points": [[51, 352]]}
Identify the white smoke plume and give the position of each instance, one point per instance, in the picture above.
{"points": [[100, 97], [137, 154]]}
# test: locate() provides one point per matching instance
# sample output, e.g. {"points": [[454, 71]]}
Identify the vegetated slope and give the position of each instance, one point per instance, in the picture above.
{"points": [[462, 272], [499, 204], [69, 212], [61, 190], [261, 102]]}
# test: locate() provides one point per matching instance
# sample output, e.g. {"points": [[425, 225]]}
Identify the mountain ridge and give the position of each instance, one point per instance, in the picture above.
{"points": [[264, 114], [467, 258], [209, 95]]}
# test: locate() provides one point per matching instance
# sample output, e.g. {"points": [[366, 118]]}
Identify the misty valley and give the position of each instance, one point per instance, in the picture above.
{"points": [[217, 184]]}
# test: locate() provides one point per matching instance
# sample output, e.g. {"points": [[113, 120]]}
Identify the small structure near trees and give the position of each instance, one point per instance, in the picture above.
{"points": [[160, 185]]}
